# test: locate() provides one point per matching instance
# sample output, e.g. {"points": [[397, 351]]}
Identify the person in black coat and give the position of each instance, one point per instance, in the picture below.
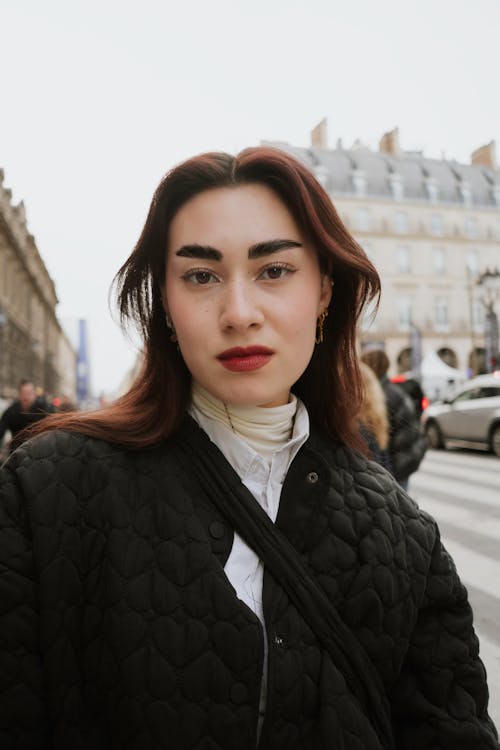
{"points": [[407, 443], [26, 410], [213, 561]]}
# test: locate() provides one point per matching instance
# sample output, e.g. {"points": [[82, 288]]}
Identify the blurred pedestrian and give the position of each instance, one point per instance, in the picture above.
{"points": [[211, 561], [412, 388], [23, 412], [407, 443], [373, 417]]}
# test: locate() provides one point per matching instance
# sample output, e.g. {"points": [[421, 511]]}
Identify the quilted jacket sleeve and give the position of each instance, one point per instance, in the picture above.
{"points": [[440, 700], [23, 716]]}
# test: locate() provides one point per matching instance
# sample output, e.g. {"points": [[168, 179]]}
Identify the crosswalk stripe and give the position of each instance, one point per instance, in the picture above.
{"points": [[425, 483], [475, 569], [481, 481], [449, 516], [480, 461]]}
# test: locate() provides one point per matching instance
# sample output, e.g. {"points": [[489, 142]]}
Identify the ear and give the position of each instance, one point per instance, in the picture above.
{"points": [[326, 293]]}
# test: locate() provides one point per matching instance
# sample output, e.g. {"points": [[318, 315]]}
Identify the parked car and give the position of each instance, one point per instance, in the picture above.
{"points": [[471, 416]]}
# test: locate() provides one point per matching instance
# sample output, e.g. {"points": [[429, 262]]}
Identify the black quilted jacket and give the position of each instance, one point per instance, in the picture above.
{"points": [[119, 628], [407, 443]]}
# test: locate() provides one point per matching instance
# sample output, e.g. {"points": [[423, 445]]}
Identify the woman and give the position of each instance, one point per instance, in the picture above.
{"points": [[373, 418], [148, 599], [407, 443]]}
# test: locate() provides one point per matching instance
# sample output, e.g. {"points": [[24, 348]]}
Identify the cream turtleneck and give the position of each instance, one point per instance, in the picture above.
{"points": [[266, 430]]}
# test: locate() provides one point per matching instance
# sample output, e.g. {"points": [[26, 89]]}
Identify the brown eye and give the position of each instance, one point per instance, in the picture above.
{"points": [[202, 277], [276, 272], [199, 277]]}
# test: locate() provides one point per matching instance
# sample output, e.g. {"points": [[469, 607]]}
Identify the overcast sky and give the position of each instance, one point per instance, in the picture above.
{"points": [[99, 98]]}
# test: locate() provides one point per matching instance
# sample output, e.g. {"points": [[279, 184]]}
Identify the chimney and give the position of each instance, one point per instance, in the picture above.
{"points": [[389, 143], [319, 134], [485, 156]]}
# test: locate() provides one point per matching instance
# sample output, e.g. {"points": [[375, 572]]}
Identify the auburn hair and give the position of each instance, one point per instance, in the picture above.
{"points": [[155, 405]]}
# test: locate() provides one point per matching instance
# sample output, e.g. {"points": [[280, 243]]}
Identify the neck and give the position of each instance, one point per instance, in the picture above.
{"points": [[265, 429]]}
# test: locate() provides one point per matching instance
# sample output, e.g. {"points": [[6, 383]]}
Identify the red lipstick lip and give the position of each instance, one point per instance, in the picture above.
{"points": [[248, 351]]}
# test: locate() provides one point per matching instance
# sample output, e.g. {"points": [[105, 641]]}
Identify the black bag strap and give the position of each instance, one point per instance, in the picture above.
{"points": [[201, 457]]}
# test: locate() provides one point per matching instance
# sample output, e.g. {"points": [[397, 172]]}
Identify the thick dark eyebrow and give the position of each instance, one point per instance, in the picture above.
{"points": [[203, 252], [269, 247], [206, 252]]}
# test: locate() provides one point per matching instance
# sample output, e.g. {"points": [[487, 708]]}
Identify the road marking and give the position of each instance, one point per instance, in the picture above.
{"points": [[474, 491], [469, 519], [475, 569]]}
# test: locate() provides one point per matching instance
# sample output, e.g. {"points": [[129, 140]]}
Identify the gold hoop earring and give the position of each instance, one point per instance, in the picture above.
{"points": [[170, 325], [320, 324]]}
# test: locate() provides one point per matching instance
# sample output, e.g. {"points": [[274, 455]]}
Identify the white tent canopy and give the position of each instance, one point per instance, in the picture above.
{"points": [[438, 378]]}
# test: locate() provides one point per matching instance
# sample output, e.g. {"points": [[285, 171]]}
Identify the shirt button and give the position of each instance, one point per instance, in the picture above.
{"points": [[216, 530], [279, 641], [238, 693], [312, 477]]}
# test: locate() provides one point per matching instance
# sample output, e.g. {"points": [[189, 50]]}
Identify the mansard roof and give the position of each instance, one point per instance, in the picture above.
{"points": [[375, 174]]}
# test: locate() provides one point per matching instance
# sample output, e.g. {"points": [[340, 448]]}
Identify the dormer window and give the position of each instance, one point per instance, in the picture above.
{"points": [[396, 183], [432, 189], [359, 182], [465, 192]]}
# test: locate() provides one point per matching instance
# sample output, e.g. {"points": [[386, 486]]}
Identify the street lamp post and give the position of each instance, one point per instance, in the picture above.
{"points": [[489, 281]]}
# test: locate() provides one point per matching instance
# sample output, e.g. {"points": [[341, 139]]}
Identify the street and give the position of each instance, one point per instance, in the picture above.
{"points": [[461, 489]]}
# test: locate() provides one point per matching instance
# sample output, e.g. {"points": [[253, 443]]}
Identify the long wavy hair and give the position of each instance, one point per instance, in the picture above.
{"points": [[155, 405]]}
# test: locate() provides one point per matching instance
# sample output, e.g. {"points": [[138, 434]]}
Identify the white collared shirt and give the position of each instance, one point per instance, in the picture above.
{"points": [[264, 478]]}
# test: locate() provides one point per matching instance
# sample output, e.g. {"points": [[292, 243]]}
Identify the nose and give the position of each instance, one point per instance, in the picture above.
{"points": [[240, 308]]}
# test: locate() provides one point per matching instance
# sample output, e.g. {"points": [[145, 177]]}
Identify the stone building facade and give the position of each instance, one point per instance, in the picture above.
{"points": [[32, 343], [431, 227]]}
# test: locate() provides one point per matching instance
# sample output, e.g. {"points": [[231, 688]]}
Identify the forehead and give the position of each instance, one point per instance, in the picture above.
{"points": [[247, 212]]}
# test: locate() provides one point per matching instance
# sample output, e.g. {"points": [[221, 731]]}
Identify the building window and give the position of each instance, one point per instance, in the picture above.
{"points": [[441, 312], [403, 259], [438, 257], [465, 192], [363, 219], [400, 222], [404, 308], [437, 224], [359, 182], [471, 226], [432, 189], [471, 264], [397, 187]]}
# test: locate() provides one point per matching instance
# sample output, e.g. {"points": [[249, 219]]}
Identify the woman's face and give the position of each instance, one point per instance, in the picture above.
{"points": [[244, 290]]}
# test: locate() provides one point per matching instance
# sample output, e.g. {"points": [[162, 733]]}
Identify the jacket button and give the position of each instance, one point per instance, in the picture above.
{"points": [[312, 477], [238, 693], [216, 530], [279, 641]]}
